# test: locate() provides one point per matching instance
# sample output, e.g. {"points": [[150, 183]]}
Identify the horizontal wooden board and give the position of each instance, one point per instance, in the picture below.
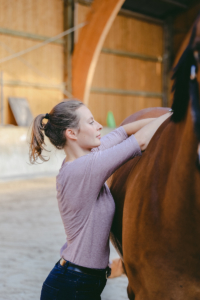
{"points": [[117, 72], [135, 35], [42, 65], [121, 106], [35, 16]]}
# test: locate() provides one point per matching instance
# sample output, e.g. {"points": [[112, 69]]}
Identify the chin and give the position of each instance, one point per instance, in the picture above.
{"points": [[97, 144]]}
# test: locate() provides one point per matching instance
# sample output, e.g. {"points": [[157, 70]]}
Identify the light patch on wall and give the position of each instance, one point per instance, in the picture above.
{"points": [[23, 137]]}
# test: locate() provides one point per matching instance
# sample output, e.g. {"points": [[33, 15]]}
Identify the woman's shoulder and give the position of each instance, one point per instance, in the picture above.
{"points": [[75, 168]]}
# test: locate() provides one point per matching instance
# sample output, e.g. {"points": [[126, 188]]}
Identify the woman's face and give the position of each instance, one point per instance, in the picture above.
{"points": [[89, 134]]}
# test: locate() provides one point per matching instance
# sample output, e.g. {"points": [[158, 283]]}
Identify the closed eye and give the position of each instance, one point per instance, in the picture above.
{"points": [[92, 122]]}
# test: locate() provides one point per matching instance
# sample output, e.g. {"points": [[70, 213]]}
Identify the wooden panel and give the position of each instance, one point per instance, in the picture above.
{"points": [[135, 36], [125, 73], [40, 101], [44, 65], [116, 72], [121, 106], [35, 16]]}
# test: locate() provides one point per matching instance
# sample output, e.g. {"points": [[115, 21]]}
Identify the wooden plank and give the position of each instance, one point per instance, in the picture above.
{"points": [[28, 35], [115, 72], [98, 90], [132, 54], [122, 106], [37, 85]]}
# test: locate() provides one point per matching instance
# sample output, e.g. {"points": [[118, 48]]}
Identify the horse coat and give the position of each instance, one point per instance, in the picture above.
{"points": [[156, 228]]}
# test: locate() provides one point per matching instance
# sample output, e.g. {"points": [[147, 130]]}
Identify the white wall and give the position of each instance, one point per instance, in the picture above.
{"points": [[14, 158]]}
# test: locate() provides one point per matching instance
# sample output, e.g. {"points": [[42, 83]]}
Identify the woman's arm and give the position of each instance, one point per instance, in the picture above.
{"points": [[111, 139], [144, 135], [133, 127]]}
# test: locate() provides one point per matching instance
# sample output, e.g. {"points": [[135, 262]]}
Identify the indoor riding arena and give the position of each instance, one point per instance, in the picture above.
{"points": [[125, 60]]}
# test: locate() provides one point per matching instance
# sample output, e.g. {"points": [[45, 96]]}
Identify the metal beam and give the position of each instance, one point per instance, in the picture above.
{"points": [[128, 13], [135, 15], [125, 92], [27, 35], [34, 84], [176, 3], [132, 55]]}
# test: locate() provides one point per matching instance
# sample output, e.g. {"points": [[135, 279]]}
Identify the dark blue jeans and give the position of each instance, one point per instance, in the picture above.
{"points": [[65, 284]]}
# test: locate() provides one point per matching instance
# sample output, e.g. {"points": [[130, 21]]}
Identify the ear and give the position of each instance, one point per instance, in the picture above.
{"points": [[71, 134]]}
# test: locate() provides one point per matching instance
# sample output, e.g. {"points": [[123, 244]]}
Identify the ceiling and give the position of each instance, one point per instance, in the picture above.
{"points": [[159, 9]]}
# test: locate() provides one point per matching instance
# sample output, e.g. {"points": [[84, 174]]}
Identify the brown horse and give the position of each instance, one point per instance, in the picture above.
{"points": [[156, 227]]}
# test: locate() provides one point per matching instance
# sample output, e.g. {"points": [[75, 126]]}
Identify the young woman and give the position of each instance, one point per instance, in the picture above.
{"points": [[85, 202]]}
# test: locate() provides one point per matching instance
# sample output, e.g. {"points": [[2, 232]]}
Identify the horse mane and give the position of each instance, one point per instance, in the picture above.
{"points": [[181, 77]]}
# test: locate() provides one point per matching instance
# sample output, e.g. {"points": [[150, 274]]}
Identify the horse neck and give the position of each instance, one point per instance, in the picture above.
{"points": [[184, 163]]}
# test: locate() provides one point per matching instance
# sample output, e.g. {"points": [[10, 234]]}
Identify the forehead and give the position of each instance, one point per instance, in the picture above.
{"points": [[84, 113]]}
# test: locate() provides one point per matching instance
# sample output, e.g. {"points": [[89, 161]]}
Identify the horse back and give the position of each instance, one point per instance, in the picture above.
{"points": [[157, 222]]}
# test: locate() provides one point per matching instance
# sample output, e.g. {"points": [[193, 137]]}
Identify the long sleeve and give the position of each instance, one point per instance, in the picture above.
{"points": [[112, 138], [102, 164]]}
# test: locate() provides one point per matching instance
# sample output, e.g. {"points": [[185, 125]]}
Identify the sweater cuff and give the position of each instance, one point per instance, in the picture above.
{"points": [[137, 151], [123, 132]]}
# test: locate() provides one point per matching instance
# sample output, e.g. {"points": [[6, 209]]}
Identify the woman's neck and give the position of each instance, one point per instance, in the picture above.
{"points": [[75, 152]]}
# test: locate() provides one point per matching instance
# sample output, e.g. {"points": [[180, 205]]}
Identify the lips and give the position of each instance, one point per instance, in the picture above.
{"points": [[98, 136]]}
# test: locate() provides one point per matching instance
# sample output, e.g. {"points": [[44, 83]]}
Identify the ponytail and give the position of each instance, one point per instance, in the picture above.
{"points": [[37, 140]]}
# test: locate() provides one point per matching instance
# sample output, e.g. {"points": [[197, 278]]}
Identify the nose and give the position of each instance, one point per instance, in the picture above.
{"points": [[99, 126]]}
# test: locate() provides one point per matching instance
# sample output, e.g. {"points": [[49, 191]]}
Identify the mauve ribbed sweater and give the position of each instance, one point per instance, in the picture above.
{"points": [[85, 202]]}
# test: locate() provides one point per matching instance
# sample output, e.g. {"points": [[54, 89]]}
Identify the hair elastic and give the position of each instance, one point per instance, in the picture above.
{"points": [[46, 116]]}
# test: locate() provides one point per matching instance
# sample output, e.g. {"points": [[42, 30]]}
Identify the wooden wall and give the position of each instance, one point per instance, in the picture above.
{"points": [[43, 66], [125, 73]]}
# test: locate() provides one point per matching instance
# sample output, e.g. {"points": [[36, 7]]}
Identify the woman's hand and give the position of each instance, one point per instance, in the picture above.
{"points": [[145, 134], [133, 127]]}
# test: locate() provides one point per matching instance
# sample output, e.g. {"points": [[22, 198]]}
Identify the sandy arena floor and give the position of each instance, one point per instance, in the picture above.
{"points": [[31, 234]]}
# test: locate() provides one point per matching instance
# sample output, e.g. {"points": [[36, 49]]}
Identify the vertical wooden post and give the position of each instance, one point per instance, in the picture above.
{"points": [[90, 41], [68, 43], [2, 101], [167, 60]]}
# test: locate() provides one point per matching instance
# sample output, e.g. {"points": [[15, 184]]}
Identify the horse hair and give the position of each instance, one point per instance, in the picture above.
{"points": [[181, 77]]}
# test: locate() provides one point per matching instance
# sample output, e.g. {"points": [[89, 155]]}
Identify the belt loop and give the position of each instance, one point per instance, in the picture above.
{"points": [[66, 266]]}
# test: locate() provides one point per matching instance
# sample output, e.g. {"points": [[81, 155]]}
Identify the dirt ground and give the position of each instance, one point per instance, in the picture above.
{"points": [[31, 235]]}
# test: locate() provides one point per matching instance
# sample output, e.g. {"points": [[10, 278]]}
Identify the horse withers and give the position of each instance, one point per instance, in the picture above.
{"points": [[156, 228]]}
